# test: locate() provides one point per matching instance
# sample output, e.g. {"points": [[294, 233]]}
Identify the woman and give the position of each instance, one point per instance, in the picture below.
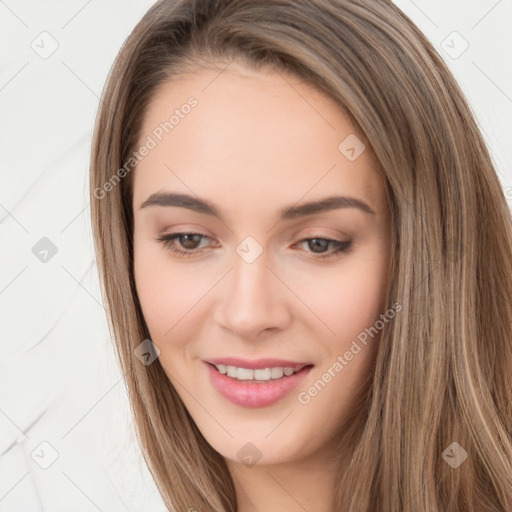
{"points": [[306, 257]]}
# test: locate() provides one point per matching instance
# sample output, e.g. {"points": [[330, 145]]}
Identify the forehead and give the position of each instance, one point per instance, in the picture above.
{"points": [[251, 136]]}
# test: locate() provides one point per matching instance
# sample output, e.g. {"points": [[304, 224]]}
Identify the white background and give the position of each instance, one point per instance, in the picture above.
{"points": [[58, 377]]}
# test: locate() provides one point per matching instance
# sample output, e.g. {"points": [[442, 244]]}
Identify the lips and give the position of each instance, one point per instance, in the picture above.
{"points": [[247, 393], [256, 364]]}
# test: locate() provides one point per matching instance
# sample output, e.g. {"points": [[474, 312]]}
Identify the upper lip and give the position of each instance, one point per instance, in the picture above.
{"points": [[257, 363]]}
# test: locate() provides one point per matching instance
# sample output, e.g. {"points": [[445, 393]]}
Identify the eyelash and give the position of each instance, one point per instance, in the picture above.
{"points": [[168, 242]]}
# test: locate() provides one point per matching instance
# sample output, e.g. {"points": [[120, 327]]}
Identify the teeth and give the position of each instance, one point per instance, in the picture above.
{"points": [[260, 374], [277, 373], [244, 374]]}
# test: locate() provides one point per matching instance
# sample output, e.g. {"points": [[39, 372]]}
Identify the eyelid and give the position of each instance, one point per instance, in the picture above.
{"points": [[188, 229], [339, 247], [317, 234]]}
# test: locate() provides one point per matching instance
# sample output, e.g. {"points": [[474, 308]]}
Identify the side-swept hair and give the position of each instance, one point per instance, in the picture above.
{"points": [[443, 370]]}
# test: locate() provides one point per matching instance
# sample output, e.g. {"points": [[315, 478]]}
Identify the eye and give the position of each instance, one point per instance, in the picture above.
{"points": [[191, 241], [319, 243], [187, 240]]}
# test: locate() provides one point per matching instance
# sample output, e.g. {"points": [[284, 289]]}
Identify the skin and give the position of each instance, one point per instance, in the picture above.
{"points": [[256, 143]]}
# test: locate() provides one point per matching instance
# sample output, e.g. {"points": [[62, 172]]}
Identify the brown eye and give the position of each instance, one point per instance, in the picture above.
{"points": [[188, 241]]}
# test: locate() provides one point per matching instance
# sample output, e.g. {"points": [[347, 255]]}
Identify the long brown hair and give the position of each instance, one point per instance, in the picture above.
{"points": [[443, 369]]}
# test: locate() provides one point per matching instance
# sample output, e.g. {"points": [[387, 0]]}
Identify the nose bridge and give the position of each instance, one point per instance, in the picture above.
{"points": [[253, 301], [251, 281]]}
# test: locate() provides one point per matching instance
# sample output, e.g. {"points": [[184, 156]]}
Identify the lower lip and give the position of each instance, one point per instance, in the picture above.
{"points": [[255, 394]]}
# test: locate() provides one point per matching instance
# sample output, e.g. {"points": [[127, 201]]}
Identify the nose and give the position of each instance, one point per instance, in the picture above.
{"points": [[253, 300]]}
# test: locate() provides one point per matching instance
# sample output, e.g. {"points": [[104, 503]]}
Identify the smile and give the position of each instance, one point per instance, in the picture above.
{"points": [[255, 387], [258, 375]]}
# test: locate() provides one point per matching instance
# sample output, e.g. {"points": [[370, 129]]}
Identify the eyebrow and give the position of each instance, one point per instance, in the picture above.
{"points": [[291, 212]]}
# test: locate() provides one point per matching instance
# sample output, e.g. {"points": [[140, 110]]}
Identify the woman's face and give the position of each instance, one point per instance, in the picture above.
{"points": [[255, 283]]}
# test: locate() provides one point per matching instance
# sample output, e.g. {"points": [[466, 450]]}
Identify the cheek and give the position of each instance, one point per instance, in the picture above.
{"points": [[167, 296], [347, 299], [162, 290], [173, 296]]}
